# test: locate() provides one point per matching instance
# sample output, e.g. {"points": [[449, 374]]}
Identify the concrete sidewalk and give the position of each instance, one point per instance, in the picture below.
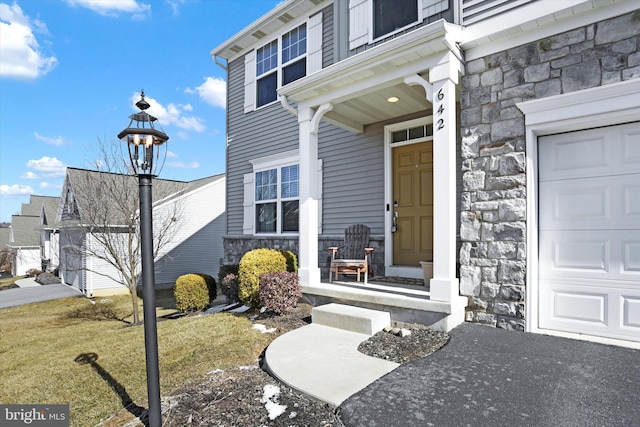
{"points": [[491, 377]]}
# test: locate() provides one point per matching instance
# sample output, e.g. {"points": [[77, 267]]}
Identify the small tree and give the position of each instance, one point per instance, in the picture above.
{"points": [[105, 214]]}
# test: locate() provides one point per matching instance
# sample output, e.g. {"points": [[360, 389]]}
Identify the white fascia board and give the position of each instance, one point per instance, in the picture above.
{"points": [[286, 7], [533, 22], [306, 88]]}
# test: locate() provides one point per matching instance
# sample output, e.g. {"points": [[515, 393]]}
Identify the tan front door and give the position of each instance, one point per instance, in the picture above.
{"points": [[413, 203]]}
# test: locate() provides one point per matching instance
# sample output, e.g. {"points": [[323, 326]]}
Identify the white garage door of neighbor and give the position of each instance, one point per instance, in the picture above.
{"points": [[589, 232]]}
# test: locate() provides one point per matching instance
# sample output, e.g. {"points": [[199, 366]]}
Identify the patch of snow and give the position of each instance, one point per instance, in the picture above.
{"points": [[263, 309], [248, 368], [215, 371], [293, 415], [270, 400], [263, 328]]}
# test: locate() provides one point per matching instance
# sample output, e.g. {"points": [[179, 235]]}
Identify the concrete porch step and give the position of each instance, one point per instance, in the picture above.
{"points": [[350, 318]]}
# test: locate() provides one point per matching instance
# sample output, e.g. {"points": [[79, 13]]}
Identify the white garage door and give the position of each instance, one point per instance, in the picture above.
{"points": [[589, 235]]}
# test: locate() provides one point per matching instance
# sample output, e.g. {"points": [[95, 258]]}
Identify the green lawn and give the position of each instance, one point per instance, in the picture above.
{"points": [[72, 351]]}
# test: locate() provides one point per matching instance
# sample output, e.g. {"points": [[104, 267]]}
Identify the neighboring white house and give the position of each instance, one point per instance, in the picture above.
{"points": [[193, 245], [32, 240]]}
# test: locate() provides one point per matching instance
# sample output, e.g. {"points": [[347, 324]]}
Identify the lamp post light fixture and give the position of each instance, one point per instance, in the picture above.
{"points": [[143, 138]]}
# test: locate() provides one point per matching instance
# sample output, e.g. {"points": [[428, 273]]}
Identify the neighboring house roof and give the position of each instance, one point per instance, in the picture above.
{"points": [[4, 237], [24, 231], [49, 206], [82, 189]]}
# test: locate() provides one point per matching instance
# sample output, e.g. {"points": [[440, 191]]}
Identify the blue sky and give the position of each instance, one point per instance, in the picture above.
{"points": [[71, 71]]}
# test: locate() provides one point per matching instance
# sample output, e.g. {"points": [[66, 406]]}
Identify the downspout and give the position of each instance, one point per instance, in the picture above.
{"points": [[287, 106], [218, 63]]}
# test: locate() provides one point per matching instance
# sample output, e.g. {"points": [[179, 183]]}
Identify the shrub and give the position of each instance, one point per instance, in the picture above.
{"points": [[280, 292], [252, 265], [230, 287], [191, 293], [226, 270], [211, 285], [33, 272], [292, 261]]}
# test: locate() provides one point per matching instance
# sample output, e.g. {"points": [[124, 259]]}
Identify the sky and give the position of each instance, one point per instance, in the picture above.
{"points": [[72, 70]]}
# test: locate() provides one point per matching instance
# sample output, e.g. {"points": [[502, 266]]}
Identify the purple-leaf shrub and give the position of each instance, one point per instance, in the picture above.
{"points": [[280, 292], [230, 287]]}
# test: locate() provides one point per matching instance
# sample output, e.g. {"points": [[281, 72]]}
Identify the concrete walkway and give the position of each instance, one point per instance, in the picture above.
{"points": [[322, 359]]}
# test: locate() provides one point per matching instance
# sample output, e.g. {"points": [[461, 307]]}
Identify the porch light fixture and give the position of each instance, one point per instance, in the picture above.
{"points": [[393, 99], [142, 139]]}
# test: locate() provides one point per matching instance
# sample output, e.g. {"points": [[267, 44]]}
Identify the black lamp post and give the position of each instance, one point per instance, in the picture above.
{"points": [[142, 138]]}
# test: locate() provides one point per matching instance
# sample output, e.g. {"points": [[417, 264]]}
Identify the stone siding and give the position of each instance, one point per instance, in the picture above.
{"points": [[493, 207], [236, 246]]}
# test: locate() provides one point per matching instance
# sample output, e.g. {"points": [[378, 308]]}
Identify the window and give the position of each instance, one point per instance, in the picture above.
{"points": [[276, 200], [273, 70], [392, 15]]}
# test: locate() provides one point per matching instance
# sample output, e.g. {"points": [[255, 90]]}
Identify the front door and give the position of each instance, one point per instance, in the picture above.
{"points": [[413, 203]]}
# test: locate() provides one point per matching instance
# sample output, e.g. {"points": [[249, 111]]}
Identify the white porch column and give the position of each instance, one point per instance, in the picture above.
{"points": [[308, 121], [444, 77]]}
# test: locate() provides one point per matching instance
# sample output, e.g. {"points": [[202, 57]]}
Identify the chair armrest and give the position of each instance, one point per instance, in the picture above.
{"points": [[333, 250], [368, 250]]}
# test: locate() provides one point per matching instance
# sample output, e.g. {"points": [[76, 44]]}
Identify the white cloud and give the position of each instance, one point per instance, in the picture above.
{"points": [[171, 155], [183, 165], [52, 141], [29, 175], [10, 190], [213, 91], [20, 53], [172, 114], [49, 167], [113, 7], [47, 185]]}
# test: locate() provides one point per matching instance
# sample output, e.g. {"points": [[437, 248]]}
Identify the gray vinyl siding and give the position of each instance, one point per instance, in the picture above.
{"points": [[353, 178], [268, 130], [475, 11], [327, 37]]}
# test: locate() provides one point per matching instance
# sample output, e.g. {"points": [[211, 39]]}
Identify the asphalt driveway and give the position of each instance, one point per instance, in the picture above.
{"points": [[491, 377], [31, 294]]}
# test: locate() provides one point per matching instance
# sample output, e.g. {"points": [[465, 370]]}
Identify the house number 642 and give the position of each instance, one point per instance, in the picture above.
{"points": [[440, 111]]}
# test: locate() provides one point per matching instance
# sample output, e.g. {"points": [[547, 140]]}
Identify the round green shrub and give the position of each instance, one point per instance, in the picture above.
{"points": [[254, 264], [211, 285], [292, 261], [191, 293]]}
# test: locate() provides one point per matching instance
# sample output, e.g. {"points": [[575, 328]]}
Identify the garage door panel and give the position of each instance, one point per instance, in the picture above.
{"points": [[611, 202], [631, 312], [574, 307], [593, 255], [595, 152]]}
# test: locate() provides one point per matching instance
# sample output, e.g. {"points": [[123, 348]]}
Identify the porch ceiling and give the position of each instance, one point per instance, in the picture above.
{"points": [[358, 87]]}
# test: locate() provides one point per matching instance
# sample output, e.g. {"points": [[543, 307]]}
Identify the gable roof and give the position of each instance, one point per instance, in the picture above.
{"points": [[24, 231], [82, 189], [4, 237]]}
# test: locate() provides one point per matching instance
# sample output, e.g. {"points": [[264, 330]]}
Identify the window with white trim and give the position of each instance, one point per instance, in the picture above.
{"points": [[272, 195], [275, 68], [276, 200], [392, 15]]}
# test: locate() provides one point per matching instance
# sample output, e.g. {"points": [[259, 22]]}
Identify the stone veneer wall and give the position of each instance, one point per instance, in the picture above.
{"points": [[493, 208], [236, 246]]}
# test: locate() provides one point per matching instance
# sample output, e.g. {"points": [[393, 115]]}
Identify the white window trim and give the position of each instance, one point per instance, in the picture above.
{"points": [[361, 25], [281, 65], [273, 161]]}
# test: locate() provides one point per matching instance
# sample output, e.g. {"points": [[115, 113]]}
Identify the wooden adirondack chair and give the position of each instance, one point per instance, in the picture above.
{"points": [[355, 254]]}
